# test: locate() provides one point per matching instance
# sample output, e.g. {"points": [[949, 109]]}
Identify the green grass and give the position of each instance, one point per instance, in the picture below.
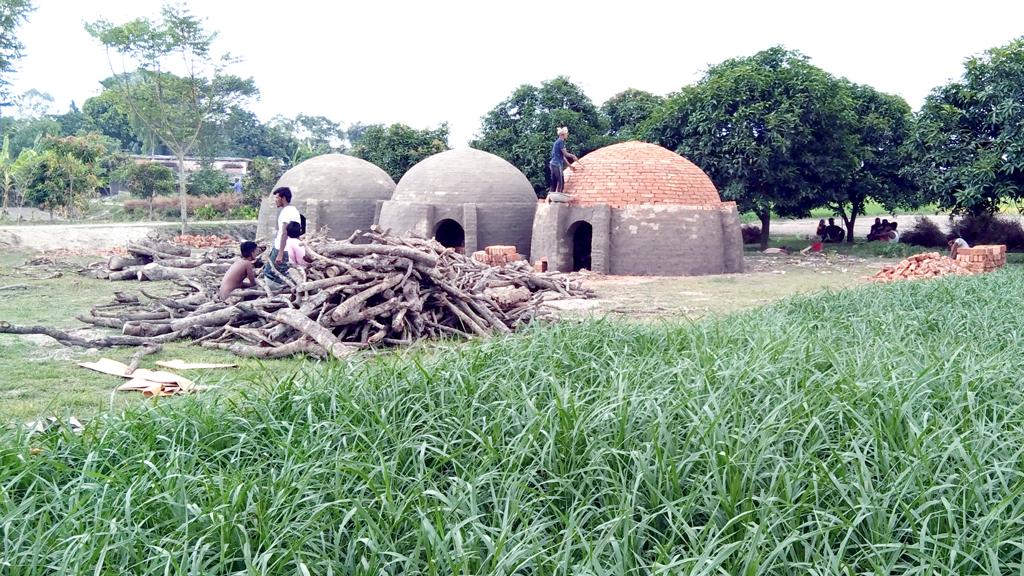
{"points": [[859, 248], [869, 431]]}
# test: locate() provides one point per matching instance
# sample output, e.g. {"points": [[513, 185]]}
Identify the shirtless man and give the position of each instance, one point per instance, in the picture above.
{"points": [[241, 274]]}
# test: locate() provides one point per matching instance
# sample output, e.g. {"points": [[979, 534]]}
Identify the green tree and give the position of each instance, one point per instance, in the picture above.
{"points": [[175, 108], [148, 180], [877, 134], [264, 172], [968, 140], [12, 14], [397, 148], [73, 121], [770, 130], [628, 111], [208, 181], [107, 114], [521, 129], [66, 173]]}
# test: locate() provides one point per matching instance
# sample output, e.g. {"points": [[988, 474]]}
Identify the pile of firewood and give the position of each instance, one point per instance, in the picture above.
{"points": [[389, 291], [162, 260], [927, 265]]}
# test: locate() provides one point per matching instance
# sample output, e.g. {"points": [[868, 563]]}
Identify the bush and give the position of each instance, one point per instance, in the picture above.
{"points": [[751, 233], [245, 212], [168, 206], [924, 232], [988, 229], [208, 182]]}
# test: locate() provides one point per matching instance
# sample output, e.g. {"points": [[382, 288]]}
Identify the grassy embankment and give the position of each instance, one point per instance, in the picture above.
{"points": [[875, 430]]}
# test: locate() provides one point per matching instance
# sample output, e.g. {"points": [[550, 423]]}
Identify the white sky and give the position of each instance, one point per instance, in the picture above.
{"points": [[423, 62]]}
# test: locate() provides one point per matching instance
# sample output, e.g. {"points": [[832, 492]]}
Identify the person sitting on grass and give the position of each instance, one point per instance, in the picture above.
{"points": [[294, 249], [241, 273], [820, 232], [834, 234], [893, 234], [876, 229], [955, 244], [814, 247]]}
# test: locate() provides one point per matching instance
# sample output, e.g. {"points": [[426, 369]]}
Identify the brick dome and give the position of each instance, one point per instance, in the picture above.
{"points": [[633, 173]]}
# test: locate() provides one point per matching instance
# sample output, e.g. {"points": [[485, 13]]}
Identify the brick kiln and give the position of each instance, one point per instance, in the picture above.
{"points": [[639, 209]]}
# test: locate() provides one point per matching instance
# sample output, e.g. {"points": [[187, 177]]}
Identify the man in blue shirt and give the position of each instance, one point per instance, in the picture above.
{"points": [[238, 185], [560, 157]]}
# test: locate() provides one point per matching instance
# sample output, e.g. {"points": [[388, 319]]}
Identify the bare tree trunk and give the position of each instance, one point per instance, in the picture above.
{"points": [[182, 193], [766, 220]]}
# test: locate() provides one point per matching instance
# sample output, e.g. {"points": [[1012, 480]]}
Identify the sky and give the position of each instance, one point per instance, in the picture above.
{"points": [[424, 62]]}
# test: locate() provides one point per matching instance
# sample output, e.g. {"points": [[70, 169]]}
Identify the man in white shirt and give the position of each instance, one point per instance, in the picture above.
{"points": [[289, 213]]}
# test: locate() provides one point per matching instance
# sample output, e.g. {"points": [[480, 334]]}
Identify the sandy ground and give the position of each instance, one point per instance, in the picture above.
{"points": [[42, 237]]}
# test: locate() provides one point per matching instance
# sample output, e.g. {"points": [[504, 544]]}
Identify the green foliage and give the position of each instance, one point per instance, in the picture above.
{"points": [[875, 138], [12, 14], [263, 174], [245, 212], [859, 432], [208, 181], [628, 111], [521, 129], [770, 130], [174, 108], [26, 133], [107, 114], [397, 148], [207, 212], [148, 180], [968, 135]]}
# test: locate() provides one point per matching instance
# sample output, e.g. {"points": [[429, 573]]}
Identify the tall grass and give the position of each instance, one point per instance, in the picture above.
{"points": [[876, 431]]}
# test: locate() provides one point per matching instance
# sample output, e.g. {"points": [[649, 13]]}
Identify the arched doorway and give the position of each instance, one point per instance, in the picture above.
{"points": [[582, 236], [451, 235]]}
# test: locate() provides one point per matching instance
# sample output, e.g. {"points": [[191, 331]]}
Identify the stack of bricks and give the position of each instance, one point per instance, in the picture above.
{"points": [[982, 258], [497, 255]]}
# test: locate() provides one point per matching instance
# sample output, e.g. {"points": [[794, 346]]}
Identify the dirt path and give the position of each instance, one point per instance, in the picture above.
{"points": [[42, 237]]}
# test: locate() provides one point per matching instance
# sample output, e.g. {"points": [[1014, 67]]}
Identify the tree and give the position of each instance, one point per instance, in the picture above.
{"points": [[397, 148], [967, 140], [770, 130], [12, 14], [175, 108], [65, 173], [73, 121], [878, 131], [522, 128], [107, 114], [627, 112], [264, 172], [208, 181], [148, 180]]}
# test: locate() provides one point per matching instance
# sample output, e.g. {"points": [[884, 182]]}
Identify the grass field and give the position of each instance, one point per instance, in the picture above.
{"points": [[869, 431]]}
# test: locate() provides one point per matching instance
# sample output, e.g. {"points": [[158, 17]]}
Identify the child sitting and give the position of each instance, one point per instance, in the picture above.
{"points": [[241, 273], [294, 249]]}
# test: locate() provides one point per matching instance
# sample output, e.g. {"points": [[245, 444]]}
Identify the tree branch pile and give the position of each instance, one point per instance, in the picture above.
{"points": [[386, 291]]}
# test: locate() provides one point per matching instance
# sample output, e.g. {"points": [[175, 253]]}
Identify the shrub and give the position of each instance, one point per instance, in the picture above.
{"points": [[208, 182], [988, 229], [245, 212], [751, 233], [924, 232], [168, 206]]}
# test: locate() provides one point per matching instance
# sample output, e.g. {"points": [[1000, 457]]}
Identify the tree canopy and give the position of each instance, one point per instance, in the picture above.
{"points": [[176, 108], [769, 129], [12, 14], [627, 112], [968, 143], [522, 128], [397, 147]]}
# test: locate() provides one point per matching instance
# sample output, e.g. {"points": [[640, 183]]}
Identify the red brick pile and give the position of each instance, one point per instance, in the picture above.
{"points": [[977, 260], [982, 258], [497, 255], [201, 241]]}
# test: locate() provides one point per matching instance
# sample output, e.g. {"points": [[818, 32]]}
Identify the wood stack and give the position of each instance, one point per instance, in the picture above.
{"points": [[982, 258], [497, 255], [389, 291], [161, 260], [927, 265]]}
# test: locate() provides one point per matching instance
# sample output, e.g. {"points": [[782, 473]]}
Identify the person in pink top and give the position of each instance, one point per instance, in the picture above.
{"points": [[294, 247]]}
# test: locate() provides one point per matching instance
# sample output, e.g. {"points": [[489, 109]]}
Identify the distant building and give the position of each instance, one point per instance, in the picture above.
{"points": [[230, 166]]}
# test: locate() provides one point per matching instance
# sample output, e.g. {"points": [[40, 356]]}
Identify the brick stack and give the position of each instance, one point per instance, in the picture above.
{"points": [[927, 265], [635, 173], [983, 258], [497, 255]]}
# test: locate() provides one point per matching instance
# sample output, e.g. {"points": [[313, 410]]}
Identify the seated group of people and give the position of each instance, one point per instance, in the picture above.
{"points": [[831, 233], [884, 231]]}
